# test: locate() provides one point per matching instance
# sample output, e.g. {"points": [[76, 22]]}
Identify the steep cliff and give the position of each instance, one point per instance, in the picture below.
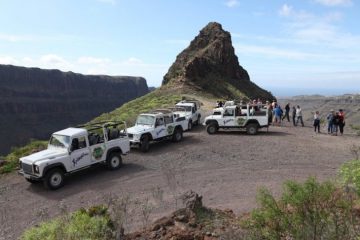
{"points": [[209, 64], [35, 102]]}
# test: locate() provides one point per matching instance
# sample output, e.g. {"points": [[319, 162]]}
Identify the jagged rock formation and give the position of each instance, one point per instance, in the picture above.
{"points": [[35, 102], [209, 64]]}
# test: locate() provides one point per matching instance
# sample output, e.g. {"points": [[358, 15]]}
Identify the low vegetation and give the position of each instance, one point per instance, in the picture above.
{"points": [[93, 223], [12, 159], [309, 210], [130, 110]]}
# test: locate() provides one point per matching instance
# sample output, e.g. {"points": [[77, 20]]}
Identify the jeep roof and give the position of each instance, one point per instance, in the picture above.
{"points": [[71, 132]]}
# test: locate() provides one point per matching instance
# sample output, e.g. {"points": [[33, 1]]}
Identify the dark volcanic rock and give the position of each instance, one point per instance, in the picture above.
{"points": [[35, 102], [210, 64]]}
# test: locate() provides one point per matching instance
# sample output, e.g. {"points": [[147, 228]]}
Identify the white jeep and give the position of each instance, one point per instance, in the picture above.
{"points": [[74, 149], [238, 116], [155, 126], [191, 112]]}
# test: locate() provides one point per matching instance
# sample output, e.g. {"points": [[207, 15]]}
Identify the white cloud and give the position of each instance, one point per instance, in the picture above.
{"points": [[8, 60], [232, 3], [332, 3], [285, 10], [112, 2]]}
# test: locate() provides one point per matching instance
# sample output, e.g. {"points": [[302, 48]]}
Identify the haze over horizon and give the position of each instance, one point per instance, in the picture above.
{"points": [[287, 47]]}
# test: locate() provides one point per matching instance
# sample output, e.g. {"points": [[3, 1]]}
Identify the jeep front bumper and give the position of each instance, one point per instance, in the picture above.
{"points": [[28, 176]]}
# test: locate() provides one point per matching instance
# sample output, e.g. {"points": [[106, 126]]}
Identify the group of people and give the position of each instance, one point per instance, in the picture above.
{"points": [[335, 122], [335, 119], [277, 114]]}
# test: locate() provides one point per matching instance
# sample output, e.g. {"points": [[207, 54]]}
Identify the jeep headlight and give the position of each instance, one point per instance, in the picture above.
{"points": [[136, 137], [36, 169]]}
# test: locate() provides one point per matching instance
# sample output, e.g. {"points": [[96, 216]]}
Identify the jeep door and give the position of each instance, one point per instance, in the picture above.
{"points": [[229, 117], [79, 153], [241, 117], [160, 130]]}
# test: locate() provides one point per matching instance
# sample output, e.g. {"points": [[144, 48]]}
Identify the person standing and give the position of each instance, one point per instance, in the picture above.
{"points": [[330, 121], [336, 120], [287, 111], [294, 115], [299, 116], [341, 121], [277, 114], [317, 121]]}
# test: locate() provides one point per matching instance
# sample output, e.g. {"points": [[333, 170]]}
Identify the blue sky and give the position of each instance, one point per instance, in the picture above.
{"points": [[288, 47]]}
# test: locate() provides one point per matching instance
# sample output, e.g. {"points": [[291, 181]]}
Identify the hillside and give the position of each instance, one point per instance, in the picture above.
{"points": [[35, 102]]}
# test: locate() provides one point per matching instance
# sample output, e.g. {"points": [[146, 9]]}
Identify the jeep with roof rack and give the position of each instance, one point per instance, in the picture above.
{"points": [[190, 109], [74, 149], [234, 116], [155, 126]]}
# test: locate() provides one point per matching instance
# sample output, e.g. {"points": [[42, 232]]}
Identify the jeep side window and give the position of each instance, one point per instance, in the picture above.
{"points": [[168, 119], [78, 143], [229, 112], [159, 122], [193, 110]]}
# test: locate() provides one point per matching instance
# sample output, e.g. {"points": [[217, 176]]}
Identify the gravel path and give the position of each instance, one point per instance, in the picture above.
{"points": [[226, 168]]}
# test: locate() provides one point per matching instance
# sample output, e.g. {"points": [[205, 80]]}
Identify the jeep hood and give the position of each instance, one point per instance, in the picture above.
{"points": [[138, 129], [45, 154]]}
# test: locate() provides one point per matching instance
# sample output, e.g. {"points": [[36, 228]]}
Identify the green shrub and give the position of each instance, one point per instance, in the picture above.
{"points": [[83, 224], [311, 210], [350, 175], [12, 159]]}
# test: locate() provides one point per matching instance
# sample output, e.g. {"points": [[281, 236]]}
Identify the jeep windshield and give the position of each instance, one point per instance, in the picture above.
{"points": [[59, 141], [145, 120]]}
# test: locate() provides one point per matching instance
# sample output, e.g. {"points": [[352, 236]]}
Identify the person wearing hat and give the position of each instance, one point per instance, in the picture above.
{"points": [[329, 119], [341, 121]]}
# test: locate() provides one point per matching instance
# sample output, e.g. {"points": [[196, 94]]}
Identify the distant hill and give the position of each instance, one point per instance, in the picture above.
{"points": [[35, 102], [210, 65]]}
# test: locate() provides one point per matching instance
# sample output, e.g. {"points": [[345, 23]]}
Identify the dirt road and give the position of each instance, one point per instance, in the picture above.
{"points": [[226, 168]]}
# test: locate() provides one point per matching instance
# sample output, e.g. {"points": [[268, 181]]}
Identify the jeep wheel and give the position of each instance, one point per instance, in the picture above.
{"points": [[145, 143], [54, 179], [211, 128], [114, 161], [252, 128], [177, 135], [190, 125]]}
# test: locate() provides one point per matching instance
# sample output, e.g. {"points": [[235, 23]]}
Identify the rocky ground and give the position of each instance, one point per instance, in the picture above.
{"points": [[226, 169]]}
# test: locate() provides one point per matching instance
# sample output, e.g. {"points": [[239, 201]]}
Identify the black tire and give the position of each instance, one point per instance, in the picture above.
{"points": [[190, 125], [114, 161], [177, 135], [33, 181], [252, 128], [212, 128], [145, 143], [54, 179]]}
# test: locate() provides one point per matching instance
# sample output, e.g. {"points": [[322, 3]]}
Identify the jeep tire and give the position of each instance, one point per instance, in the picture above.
{"points": [[177, 135], [252, 128], [211, 128], [114, 161], [144, 143], [54, 179]]}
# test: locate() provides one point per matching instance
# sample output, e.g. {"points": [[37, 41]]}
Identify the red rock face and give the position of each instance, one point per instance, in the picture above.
{"points": [[36, 102], [210, 60]]}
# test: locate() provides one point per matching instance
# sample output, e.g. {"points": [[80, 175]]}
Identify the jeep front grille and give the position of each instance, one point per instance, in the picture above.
{"points": [[27, 168], [131, 135]]}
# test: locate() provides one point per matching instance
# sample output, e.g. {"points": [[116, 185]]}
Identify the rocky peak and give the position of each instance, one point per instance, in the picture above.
{"points": [[210, 64]]}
